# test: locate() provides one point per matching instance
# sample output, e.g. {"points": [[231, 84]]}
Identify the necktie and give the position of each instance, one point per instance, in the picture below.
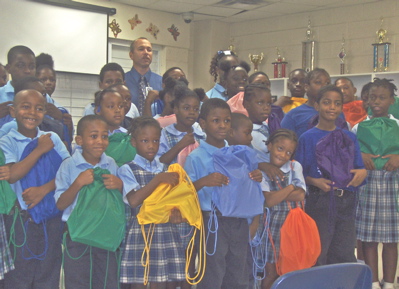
{"points": [[143, 85]]}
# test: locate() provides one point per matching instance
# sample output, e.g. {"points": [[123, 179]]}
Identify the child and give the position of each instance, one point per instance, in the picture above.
{"points": [[140, 178], [29, 109], [224, 269], [110, 73], [130, 108], [240, 132], [330, 206], [75, 173], [258, 101], [281, 145], [298, 119], [21, 63], [296, 86], [3, 75], [177, 136], [352, 108], [377, 218]]}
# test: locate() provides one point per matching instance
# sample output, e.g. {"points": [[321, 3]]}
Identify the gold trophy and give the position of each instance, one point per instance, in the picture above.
{"points": [[381, 63], [256, 60]]}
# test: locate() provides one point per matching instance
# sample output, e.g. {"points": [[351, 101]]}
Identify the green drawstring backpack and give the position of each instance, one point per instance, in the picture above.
{"points": [[120, 148], [7, 195], [379, 136], [98, 218]]}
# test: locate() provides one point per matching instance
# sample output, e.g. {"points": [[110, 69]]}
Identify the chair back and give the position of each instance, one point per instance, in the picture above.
{"points": [[336, 276]]}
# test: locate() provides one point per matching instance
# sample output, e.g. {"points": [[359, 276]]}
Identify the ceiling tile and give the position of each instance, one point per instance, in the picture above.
{"points": [[217, 11], [138, 3], [174, 7], [287, 8]]}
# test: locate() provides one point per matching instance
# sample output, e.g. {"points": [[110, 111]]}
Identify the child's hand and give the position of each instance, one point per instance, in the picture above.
{"points": [[45, 143], [272, 172], [187, 139], [112, 182], [358, 178], [392, 164], [5, 173], [53, 111], [67, 120], [33, 195], [4, 110], [152, 96], [216, 180], [256, 175], [85, 178], [323, 184], [176, 217], [368, 161], [168, 178]]}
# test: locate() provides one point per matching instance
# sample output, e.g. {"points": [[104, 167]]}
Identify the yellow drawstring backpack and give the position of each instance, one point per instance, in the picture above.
{"points": [[156, 210]]}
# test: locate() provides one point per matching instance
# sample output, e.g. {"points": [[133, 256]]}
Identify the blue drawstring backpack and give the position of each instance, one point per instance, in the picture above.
{"points": [[41, 173]]}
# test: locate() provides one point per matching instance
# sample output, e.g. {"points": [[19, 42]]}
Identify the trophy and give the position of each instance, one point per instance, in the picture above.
{"points": [[342, 55], [308, 50], [256, 60], [279, 65], [231, 46], [381, 63]]}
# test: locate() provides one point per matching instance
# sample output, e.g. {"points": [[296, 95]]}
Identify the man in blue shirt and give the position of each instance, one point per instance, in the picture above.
{"points": [[141, 54]]}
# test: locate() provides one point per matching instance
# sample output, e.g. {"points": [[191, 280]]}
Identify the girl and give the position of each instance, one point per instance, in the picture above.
{"points": [[377, 218], [281, 145], [140, 178], [177, 136], [46, 73]]}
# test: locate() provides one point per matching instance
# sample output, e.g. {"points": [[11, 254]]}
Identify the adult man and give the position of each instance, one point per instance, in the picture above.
{"points": [[140, 79]]}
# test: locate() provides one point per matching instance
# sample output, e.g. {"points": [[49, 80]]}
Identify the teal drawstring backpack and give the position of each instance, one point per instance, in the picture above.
{"points": [[7, 195], [98, 218], [120, 148]]}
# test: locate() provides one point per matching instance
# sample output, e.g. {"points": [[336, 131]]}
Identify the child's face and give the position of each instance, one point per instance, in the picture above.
{"points": [[380, 100], [112, 109], [47, 77], [236, 81], [177, 74], [28, 110], [262, 79], [281, 151], [365, 100], [296, 84], [187, 111], [111, 77], [127, 97], [216, 126], [3, 76], [146, 142], [259, 106], [316, 83], [23, 65], [330, 106], [348, 90], [241, 135], [94, 141]]}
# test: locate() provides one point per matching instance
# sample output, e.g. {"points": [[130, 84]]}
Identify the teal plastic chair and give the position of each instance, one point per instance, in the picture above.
{"points": [[336, 276]]}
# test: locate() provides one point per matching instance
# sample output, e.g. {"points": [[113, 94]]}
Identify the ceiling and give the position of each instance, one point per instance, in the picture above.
{"points": [[239, 10]]}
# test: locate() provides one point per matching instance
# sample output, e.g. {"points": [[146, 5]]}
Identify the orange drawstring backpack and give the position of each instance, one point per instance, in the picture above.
{"points": [[156, 210]]}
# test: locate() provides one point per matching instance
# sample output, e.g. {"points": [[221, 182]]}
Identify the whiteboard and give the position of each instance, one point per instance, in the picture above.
{"points": [[76, 39]]}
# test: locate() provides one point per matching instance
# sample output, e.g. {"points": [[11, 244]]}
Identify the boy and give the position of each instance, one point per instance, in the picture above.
{"points": [[74, 173], [329, 204], [21, 63], [224, 269], [352, 108], [298, 119], [240, 132], [29, 109]]}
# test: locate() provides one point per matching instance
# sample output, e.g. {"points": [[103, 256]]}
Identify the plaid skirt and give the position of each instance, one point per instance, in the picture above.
{"points": [[167, 258], [6, 261], [186, 233], [377, 218]]}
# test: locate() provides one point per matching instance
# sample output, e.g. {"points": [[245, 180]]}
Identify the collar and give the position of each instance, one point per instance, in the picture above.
{"points": [[81, 161], [210, 149], [219, 88], [287, 167], [172, 129], [258, 126], [15, 134], [154, 166], [8, 88], [390, 116], [136, 75], [120, 129]]}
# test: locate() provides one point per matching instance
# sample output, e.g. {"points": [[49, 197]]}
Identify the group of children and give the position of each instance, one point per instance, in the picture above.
{"points": [[295, 156]]}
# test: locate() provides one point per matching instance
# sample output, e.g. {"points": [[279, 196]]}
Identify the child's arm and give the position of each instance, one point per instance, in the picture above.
{"points": [[5, 173], [289, 193], [176, 217], [136, 198], [112, 182], [20, 169], [33, 195], [256, 175], [322, 183], [170, 155], [211, 180], [273, 172], [368, 161], [4, 110], [254, 226], [149, 100], [392, 164], [67, 197]]}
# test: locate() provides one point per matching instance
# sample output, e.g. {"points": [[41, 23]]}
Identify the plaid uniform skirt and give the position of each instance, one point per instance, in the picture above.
{"points": [[377, 219], [6, 261], [186, 233], [167, 258], [277, 219]]}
